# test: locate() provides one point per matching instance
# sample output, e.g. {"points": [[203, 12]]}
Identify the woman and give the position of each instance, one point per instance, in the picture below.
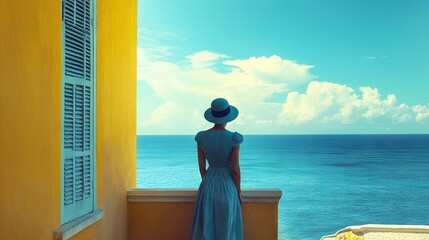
{"points": [[217, 211]]}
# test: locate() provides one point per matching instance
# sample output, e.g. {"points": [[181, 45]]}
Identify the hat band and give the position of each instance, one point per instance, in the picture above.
{"points": [[222, 113]]}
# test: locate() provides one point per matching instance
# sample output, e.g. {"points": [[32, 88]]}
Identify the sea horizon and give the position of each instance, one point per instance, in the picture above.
{"points": [[291, 134]]}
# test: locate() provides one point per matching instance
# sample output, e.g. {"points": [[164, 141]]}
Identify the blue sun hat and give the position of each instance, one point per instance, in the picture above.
{"points": [[221, 112]]}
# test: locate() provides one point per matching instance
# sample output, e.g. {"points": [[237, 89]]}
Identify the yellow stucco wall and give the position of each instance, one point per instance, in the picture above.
{"points": [[260, 221], [172, 220], [116, 112], [159, 220], [30, 91], [30, 117]]}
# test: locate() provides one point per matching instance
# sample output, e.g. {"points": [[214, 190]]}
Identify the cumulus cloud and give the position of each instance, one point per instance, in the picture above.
{"points": [[180, 91], [422, 112], [329, 102], [204, 59], [321, 99], [187, 89], [274, 69]]}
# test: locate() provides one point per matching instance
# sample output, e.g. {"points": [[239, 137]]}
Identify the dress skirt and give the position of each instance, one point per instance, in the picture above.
{"points": [[217, 210]]}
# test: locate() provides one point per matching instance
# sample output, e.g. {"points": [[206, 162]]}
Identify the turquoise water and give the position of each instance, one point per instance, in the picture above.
{"points": [[328, 181]]}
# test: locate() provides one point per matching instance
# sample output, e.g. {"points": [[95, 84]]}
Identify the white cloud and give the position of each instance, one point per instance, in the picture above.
{"points": [[189, 88], [326, 102], [422, 113], [274, 69], [181, 91], [151, 49], [322, 99], [204, 59]]}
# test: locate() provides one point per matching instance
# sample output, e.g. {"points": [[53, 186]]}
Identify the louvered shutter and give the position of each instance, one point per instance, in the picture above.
{"points": [[78, 125]]}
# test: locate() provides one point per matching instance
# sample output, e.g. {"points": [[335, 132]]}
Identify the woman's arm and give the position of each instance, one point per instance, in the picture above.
{"points": [[202, 162], [235, 168]]}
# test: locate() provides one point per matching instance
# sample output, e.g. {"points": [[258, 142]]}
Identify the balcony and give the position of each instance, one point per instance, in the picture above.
{"points": [[167, 213]]}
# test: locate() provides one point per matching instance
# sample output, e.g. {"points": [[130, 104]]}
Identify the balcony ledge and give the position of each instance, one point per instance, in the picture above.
{"points": [[384, 231], [259, 195]]}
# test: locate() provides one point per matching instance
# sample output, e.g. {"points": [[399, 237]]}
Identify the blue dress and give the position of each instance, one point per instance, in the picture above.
{"points": [[217, 210]]}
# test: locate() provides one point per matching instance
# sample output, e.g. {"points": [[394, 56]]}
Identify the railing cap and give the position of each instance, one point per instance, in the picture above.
{"points": [[253, 195]]}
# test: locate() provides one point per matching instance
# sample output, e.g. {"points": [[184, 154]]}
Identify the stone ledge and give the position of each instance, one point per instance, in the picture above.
{"points": [[258, 195], [70, 229], [386, 230]]}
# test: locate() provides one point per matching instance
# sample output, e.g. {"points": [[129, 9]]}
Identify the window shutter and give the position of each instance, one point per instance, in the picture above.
{"points": [[78, 123]]}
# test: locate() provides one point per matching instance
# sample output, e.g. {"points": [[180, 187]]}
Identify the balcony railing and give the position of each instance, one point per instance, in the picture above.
{"points": [[167, 213]]}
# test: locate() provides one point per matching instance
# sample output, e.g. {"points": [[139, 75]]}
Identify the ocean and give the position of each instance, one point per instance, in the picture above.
{"points": [[328, 181]]}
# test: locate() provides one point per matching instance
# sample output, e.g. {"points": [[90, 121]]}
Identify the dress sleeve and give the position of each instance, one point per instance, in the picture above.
{"points": [[237, 139], [198, 138]]}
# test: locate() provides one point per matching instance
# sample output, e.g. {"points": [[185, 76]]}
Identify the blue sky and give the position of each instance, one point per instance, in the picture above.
{"points": [[291, 67]]}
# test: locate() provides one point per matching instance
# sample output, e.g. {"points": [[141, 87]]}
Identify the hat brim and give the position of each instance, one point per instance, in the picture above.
{"points": [[228, 118]]}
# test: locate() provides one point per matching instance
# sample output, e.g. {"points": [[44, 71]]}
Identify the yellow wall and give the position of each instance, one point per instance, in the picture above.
{"points": [[159, 220], [260, 221], [30, 117], [30, 92], [172, 220], [116, 112]]}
